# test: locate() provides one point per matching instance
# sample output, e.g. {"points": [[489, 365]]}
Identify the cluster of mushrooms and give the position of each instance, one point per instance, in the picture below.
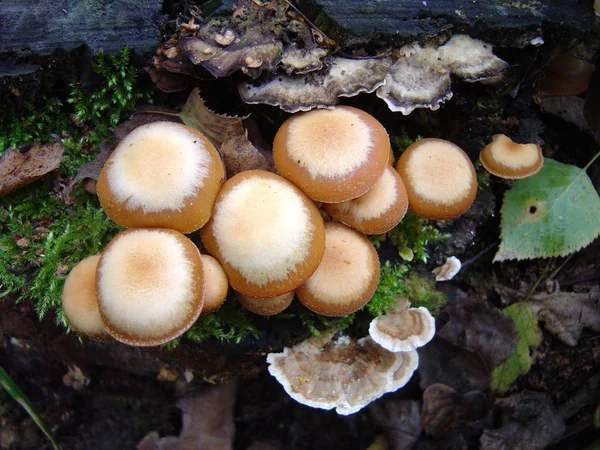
{"points": [[265, 231]]}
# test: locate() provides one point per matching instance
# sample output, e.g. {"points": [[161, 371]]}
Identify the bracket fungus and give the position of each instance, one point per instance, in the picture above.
{"points": [[150, 286], [79, 300], [378, 210], [338, 372], [440, 179], [333, 155], [507, 159], [264, 261], [448, 270], [404, 328], [163, 175], [347, 275]]}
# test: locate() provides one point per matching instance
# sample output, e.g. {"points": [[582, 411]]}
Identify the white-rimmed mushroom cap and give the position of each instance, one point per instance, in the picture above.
{"points": [[267, 234], [150, 285], [404, 328], [328, 372], [507, 159], [163, 175], [79, 300]]}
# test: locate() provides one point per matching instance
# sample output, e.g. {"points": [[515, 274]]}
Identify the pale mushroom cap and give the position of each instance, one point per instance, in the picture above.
{"points": [[323, 372], [266, 306], [377, 211], [79, 300], [440, 179], [150, 286], [266, 233], [403, 329], [507, 159], [448, 270], [216, 284], [332, 154], [347, 276], [162, 174]]}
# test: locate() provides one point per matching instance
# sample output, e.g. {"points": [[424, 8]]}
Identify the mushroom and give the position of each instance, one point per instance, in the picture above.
{"points": [[266, 306], [216, 284], [347, 276], [79, 300], [267, 234], [163, 175], [507, 159], [377, 211], [448, 270], [150, 286], [440, 179], [566, 75], [333, 155], [403, 329], [338, 372]]}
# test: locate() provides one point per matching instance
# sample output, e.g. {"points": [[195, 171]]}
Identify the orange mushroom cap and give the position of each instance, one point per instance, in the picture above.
{"points": [[150, 285], [267, 234], [507, 159], [377, 211], [216, 284], [347, 276], [266, 306], [440, 178], [163, 175], [333, 155]]}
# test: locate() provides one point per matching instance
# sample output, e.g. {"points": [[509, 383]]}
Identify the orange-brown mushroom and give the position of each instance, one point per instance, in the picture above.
{"points": [[333, 155], [440, 178], [150, 285], [377, 211], [163, 175], [267, 234], [347, 276], [566, 75], [507, 159], [266, 306], [216, 284], [79, 300]]}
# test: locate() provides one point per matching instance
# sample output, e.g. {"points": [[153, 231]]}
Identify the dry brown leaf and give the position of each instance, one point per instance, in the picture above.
{"points": [[239, 155], [400, 420], [19, 168], [218, 128]]}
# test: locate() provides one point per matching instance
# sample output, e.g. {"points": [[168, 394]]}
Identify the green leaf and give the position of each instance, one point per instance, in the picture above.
{"points": [[519, 362], [553, 213]]}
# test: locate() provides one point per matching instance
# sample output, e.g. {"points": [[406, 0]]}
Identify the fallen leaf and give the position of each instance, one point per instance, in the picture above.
{"points": [[400, 420], [19, 168], [477, 326], [444, 409], [565, 314], [218, 128], [239, 155], [519, 362], [529, 422], [591, 108]]}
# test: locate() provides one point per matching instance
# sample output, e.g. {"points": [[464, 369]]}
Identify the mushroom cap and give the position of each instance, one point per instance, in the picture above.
{"points": [[79, 300], [403, 329], [266, 306], [566, 75], [439, 177], [216, 284], [378, 210], [268, 235], [507, 159], [328, 372], [163, 175], [347, 276], [150, 285], [333, 155]]}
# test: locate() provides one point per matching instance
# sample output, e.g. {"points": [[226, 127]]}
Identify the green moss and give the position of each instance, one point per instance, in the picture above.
{"points": [[412, 236], [421, 291], [389, 288]]}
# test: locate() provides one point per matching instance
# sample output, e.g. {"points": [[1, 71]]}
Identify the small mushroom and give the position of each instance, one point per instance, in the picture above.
{"points": [[440, 179], [163, 175], [150, 286], [347, 276], [79, 300], [333, 155], [448, 270], [266, 306], [377, 211], [338, 372], [566, 75], [216, 286], [404, 328], [507, 159], [267, 234]]}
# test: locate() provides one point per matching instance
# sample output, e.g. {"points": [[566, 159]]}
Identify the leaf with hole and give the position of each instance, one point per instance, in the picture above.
{"points": [[553, 213]]}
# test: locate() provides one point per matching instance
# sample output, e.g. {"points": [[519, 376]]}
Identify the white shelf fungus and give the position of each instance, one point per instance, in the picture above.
{"points": [[448, 270]]}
